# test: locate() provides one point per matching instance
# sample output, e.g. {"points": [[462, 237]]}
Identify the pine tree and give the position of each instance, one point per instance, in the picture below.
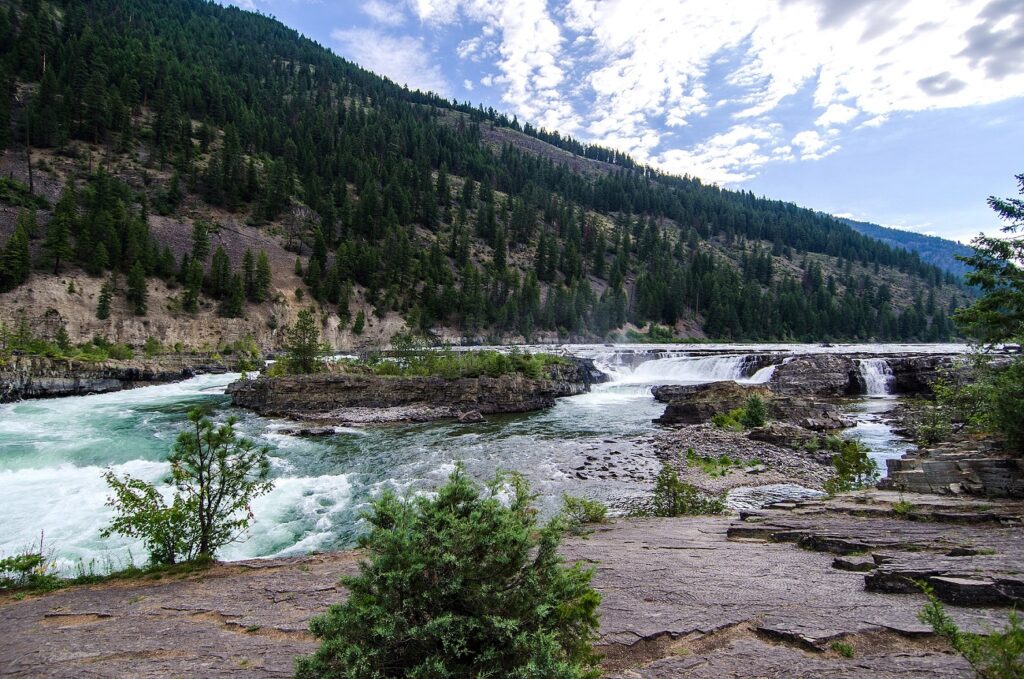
{"points": [[103, 305], [16, 259], [200, 242], [233, 305], [249, 274], [137, 294], [264, 276], [303, 344], [57, 245]]}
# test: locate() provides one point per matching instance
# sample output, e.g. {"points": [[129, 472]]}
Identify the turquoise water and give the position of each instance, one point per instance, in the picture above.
{"points": [[53, 454]]}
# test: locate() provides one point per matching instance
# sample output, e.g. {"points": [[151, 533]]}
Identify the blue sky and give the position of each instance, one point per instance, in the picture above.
{"points": [[906, 113]]}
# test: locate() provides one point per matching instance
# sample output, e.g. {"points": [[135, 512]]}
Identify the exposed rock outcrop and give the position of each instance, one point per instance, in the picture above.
{"points": [[678, 598], [970, 467], [698, 403], [366, 398], [26, 377], [828, 375]]}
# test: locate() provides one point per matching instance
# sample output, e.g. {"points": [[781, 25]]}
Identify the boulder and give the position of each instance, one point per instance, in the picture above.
{"points": [[697, 403], [470, 417], [828, 375]]}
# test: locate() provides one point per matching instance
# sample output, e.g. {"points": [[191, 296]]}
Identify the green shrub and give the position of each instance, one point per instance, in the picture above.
{"points": [[673, 497], [28, 570], [842, 648], [580, 511], [460, 584], [152, 347], [755, 413], [998, 655], [903, 509], [120, 352], [853, 467], [732, 420]]}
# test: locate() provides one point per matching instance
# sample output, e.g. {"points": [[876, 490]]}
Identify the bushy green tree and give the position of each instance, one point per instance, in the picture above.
{"points": [[303, 346], [137, 294], [216, 475], [853, 467], [755, 412], [674, 497], [105, 297], [460, 584]]}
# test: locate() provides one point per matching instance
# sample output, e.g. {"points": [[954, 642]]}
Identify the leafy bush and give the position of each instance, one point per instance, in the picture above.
{"points": [[755, 413], [410, 359], [854, 469], [28, 570], [216, 474], [120, 352], [998, 655], [580, 511], [460, 584], [732, 420], [714, 466], [673, 497]]}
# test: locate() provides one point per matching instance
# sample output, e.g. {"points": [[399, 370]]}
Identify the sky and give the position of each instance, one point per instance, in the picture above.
{"points": [[906, 113]]}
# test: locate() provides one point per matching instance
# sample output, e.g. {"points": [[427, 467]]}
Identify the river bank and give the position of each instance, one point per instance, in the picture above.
{"points": [[37, 377], [700, 597]]}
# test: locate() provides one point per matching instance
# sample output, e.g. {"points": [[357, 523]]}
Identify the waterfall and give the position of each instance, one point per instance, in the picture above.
{"points": [[877, 376], [687, 369], [762, 376]]}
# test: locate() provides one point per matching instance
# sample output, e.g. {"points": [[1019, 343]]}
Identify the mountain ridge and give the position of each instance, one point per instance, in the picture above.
{"points": [[403, 208]]}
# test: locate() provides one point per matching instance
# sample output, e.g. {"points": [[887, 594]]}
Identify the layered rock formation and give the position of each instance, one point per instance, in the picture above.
{"points": [[26, 377], [969, 468], [363, 397], [698, 403]]}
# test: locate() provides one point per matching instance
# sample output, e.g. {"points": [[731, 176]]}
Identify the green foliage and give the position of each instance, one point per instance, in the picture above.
{"points": [[997, 655], [409, 360], [755, 413], [216, 475], [903, 508], [732, 420], [363, 214], [714, 466], [842, 648], [359, 323], [673, 497], [853, 467], [1005, 403], [137, 294], [152, 347], [998, 316], [30, 570], [581, 511], [303, 346], [460, 584]]}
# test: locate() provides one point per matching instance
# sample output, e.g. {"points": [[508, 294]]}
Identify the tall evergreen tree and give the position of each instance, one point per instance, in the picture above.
{"points": [[137, 294]]}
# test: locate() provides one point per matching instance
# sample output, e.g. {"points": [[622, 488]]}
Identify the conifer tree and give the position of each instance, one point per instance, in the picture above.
{"points": [[57, 245], [16, 259], [264, 276], [137, 293], [103, 304]]}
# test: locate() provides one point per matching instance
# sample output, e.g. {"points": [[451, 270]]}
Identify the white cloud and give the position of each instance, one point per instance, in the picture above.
{"points": [[384, 12], [635, 75], [467, 85], [403, 59]]}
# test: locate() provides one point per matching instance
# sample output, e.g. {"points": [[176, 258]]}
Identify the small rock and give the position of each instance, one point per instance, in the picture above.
{"points": [[471, 417], [858, 564]]}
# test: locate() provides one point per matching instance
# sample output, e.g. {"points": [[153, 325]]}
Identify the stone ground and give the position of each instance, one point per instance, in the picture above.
{"points": [[700, 597]]}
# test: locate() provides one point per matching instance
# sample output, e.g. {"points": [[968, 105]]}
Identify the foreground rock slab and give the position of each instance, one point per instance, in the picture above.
{"points": [[679, 598]]}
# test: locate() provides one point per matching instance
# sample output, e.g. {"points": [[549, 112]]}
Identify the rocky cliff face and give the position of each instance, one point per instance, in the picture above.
{"points": [[362, 398], [828, 375], [26, 377]]}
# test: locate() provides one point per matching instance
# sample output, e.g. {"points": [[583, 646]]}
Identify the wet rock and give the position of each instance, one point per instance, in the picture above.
{"points": [[28, 377], [828, 375], [694, 404], [471, 417]]}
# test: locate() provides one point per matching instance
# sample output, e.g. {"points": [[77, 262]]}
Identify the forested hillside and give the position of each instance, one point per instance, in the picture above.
{"points": [[174, 152], [941, 252]]}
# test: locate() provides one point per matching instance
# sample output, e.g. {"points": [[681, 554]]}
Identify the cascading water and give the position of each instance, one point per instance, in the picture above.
{"points": [[688, 369], [877, 375]]}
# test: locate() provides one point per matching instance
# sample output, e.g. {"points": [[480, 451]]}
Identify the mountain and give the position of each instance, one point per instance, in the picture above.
{"points": [[199, 173], [941, 252]]}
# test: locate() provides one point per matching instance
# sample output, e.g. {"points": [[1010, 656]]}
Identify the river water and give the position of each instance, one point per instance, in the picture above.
{"points": [[53, 452]]}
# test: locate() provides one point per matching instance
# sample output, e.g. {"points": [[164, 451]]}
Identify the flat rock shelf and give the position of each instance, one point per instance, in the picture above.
{"points": [[700, 597]]}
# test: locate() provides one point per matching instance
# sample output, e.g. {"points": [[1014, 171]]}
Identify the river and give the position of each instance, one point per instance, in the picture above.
{"points": [[53, 452]]}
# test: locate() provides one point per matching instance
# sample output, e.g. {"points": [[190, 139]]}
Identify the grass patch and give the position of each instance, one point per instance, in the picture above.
{"points": [[716, 466], [842, 648]]}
